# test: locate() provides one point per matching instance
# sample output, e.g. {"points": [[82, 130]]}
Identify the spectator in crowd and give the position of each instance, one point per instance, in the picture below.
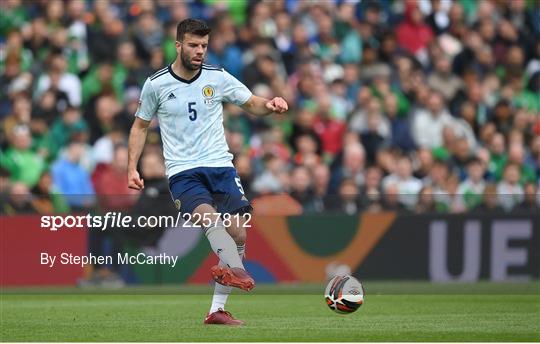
{"points": [[391, 197], [104, 33], [272, 180], [360, 120], [156, 191], [347, 200], [153, 172], [408, 186], [370, 192], [470, 191], [426, 201], [59, 79], [148, 34], [21, 114], [386, 159], [498, 156], [23, 164], [105, 115], [97, 81], [15, 48], [354, 158], [437, 180], [103, 148], [371, 139], [461, 153], [428, 123], [502, 116], [303, 125], [72, 179], [301, 188], [48, 108], [423, 163], [490, 201], [129, 70], [509, 190], [413, 34], [19, 200], [400, 126], [223, 49], [109, 185], [63, 129], [329, 129], [46, 198], [516, 155], [269, 143], [531, 201], [442, 80], [306, 147], [4, 185], [447, 198], [321, 180], [87, 161], [10, 73]]}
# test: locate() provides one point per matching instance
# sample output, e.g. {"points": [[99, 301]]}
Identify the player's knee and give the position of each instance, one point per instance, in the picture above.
{"points": [[239, 235], [240, 238]]}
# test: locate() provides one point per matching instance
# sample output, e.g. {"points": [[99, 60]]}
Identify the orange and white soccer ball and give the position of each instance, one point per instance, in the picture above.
{"points": [[344, 294]]}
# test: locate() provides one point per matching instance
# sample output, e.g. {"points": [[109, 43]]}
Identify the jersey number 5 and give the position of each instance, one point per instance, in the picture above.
{"points": [[239, 184], [192, 111]]}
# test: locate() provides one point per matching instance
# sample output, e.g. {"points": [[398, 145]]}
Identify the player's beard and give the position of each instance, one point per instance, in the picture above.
{"points": [[186, 61]]}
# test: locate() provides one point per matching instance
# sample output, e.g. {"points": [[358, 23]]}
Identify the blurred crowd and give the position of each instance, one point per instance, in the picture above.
{"points": [[415, 106]]}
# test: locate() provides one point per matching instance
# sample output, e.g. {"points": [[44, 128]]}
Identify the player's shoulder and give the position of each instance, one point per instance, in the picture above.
{"points": [[211, 68], [160, 73]]}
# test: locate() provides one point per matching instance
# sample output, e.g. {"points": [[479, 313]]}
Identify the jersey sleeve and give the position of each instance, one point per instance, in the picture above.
{"points": [[234, 91], [148, 103]]}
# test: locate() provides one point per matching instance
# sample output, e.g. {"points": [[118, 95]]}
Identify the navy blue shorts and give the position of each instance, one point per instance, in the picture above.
{"points": [[217, 186]]}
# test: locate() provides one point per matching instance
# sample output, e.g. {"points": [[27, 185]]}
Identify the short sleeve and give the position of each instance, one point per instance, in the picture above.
{"points": [[148, 103], [234, 91]]}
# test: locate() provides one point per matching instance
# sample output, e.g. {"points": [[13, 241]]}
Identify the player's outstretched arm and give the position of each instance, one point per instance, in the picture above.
{"points": [[137, 138], [261, 107]]}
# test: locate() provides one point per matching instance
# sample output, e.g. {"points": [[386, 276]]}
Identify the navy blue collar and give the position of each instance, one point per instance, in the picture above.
{"points": [[182, 79]]}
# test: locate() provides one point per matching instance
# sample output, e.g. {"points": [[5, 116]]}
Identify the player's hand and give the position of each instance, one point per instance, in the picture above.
{"points": [[135, 181], [278, 105]]}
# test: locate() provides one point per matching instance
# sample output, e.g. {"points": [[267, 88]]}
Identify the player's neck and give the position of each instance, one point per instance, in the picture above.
{"points": [[183, 72]]}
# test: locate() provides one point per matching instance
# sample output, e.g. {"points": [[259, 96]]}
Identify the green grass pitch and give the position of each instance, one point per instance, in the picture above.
{"points": [[393, 311]]}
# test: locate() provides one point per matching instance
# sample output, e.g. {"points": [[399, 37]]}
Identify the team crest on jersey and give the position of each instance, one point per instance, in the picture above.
{"points": [[208, 91], [177, 203]]}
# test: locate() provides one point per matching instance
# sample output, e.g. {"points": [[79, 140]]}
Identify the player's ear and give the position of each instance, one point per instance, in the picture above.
{"points": [[177, 44]]}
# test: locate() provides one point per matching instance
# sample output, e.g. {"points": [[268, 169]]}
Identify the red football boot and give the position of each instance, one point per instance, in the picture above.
{"points": [[234, 277], [222, 317]]}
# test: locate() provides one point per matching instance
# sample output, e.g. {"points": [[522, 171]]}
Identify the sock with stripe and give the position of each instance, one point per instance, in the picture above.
{"points": [[224, 246], [221, 292]]}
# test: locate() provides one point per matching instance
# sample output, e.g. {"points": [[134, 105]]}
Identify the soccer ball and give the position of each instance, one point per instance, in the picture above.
{"points": [[344, 294]]}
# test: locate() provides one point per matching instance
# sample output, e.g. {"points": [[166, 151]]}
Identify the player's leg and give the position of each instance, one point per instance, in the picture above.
{"points": [[238, 232], [191, 196], [230, 200], [217, 314], [233, 205], [219, 180], [226, 274], [220, 240]]}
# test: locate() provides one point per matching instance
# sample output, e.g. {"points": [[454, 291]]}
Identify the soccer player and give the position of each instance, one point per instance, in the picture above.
{"points": [[187, 98]]}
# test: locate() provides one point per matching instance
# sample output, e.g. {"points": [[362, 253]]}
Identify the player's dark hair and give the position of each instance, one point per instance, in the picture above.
{"points": [[192, 26]]}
